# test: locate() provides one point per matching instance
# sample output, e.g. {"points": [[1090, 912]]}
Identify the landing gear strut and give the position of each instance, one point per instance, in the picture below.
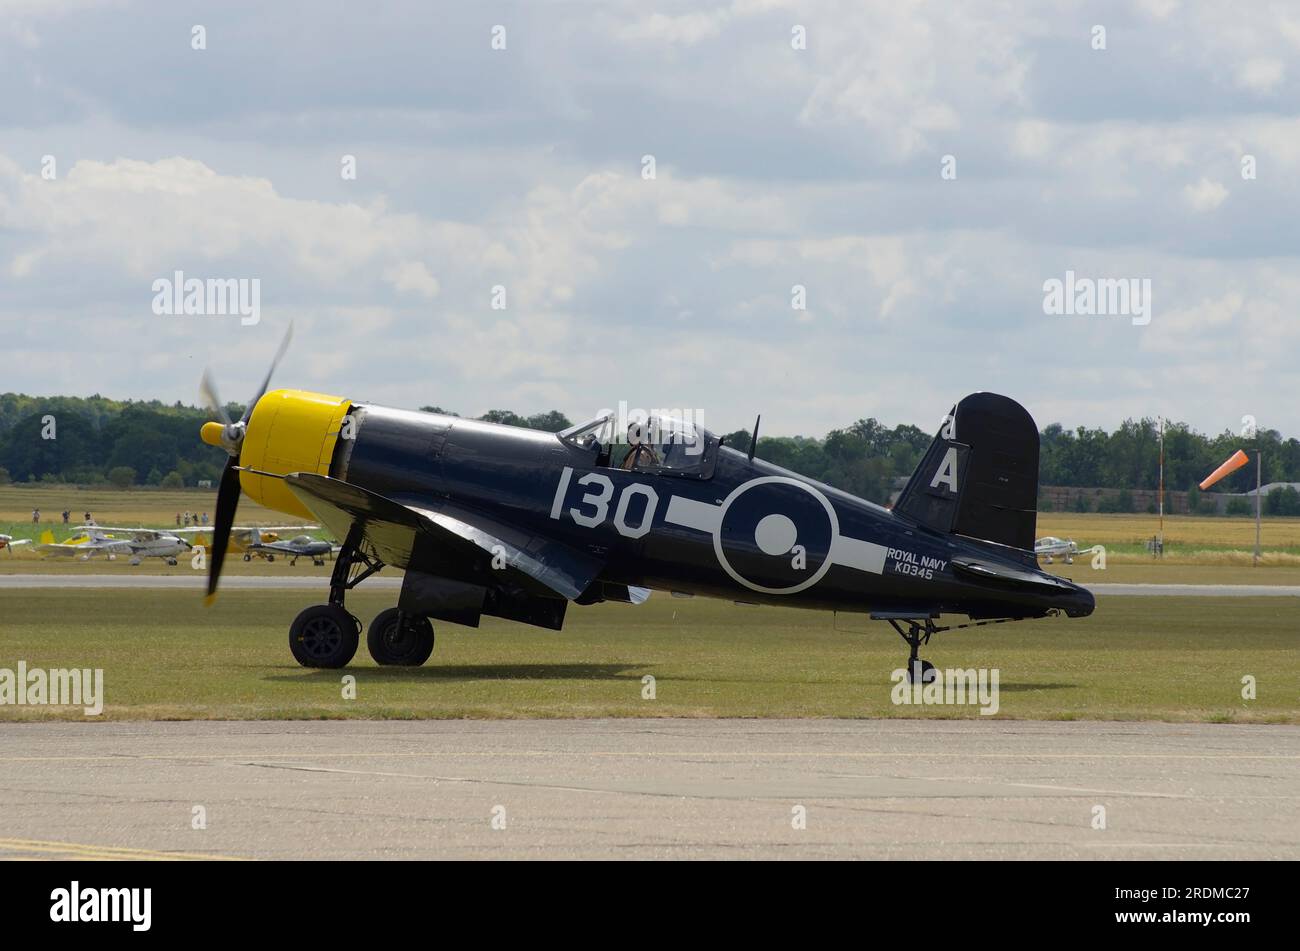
{"points": [[327, 635], [917, 633]]}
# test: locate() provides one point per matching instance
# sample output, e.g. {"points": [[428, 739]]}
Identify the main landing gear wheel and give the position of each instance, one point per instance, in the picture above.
{"points": [[400, 640], [247, 557], [324, 635]]}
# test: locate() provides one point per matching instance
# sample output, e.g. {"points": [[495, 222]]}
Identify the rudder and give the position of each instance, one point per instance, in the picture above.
{"points": [[979, 477]]}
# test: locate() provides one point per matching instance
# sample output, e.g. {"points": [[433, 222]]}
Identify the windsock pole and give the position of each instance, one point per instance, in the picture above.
{"points": [[1160, 544], [1259, 501]]}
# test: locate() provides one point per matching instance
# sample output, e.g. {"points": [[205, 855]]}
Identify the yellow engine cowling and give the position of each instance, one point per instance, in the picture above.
{"points": [[289, 431]]}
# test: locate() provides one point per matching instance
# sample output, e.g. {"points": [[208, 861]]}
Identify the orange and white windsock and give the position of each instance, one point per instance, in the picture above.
{"points": [[1238, 459]]}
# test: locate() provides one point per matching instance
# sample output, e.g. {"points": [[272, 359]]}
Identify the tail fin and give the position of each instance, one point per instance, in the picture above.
{"points": [[47, 537], [980, 475]]}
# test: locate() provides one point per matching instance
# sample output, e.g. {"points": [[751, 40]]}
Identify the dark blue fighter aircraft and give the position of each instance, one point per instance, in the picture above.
{"points": [[516, 523]]}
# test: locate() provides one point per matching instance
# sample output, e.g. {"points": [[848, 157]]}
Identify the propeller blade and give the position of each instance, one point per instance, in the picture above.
{"points": [[208, 393], [227, 502], [232, 439], [266, 383]]}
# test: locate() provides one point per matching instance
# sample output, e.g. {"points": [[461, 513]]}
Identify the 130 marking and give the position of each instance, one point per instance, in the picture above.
{"points": [[600, 492]]}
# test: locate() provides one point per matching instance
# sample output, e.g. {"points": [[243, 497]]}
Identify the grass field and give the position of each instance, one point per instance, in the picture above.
{"points": [[1189, 539], [148, 508], [165, 656]]}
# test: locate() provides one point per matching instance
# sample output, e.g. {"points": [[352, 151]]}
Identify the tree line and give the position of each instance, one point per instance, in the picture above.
{"points": [[95, 440]]}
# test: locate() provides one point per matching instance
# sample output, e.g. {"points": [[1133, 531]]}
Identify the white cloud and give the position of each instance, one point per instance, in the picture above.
{"points": [[414, 277], [1262, 75], [1205, 195], [775, 167]]}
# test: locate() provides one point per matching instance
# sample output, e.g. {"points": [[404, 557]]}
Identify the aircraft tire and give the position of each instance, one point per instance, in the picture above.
{"points": [[247, 557], [927, 673], [324, 635], [410, 647]]}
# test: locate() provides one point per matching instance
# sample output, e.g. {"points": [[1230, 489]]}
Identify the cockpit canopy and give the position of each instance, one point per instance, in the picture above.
{"points": [[663, 444]]}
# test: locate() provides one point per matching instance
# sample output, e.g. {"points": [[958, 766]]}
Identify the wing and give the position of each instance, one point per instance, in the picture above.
{"points": [[450, 540], [105, 544]]}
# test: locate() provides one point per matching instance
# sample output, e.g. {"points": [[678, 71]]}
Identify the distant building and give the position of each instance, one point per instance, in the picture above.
{"points": [[1272, 486]]}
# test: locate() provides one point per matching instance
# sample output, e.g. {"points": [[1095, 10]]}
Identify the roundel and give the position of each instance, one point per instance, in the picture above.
{"points": [[775, 535]]}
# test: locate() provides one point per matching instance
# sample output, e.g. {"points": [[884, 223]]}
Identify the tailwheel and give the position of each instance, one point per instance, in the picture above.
{"points": [[918, 633], [324, 635], [926, 670], [400, 640]]}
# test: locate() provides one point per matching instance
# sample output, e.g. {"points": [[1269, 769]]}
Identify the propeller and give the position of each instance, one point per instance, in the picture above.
{"points": [[230, 438]]}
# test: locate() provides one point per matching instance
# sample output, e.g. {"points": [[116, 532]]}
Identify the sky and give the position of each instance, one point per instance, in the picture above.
{"points": [[817, 211]]}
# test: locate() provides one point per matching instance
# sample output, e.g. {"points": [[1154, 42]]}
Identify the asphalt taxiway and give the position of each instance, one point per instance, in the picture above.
{"points": [[649, 789]]}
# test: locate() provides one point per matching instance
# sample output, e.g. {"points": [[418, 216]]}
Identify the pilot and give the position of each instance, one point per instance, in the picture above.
{"points": [[642, 453]]}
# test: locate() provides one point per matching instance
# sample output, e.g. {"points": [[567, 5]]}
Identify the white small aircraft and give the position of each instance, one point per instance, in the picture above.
{"points": [[8, 541], [1065, 548], [139, 543]]}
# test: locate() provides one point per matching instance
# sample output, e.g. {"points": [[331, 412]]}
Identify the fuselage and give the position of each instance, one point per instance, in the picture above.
{"points": [[725, 526]]}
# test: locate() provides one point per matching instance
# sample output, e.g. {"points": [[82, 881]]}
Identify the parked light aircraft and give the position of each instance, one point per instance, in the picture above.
{"points": [[8, 541], [297, 547], [1050, 546], [139, 543]]}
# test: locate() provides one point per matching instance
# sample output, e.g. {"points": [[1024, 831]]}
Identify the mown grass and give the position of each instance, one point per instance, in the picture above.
{"points": [[146, 507], [1192, 532], [167, 657]]}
